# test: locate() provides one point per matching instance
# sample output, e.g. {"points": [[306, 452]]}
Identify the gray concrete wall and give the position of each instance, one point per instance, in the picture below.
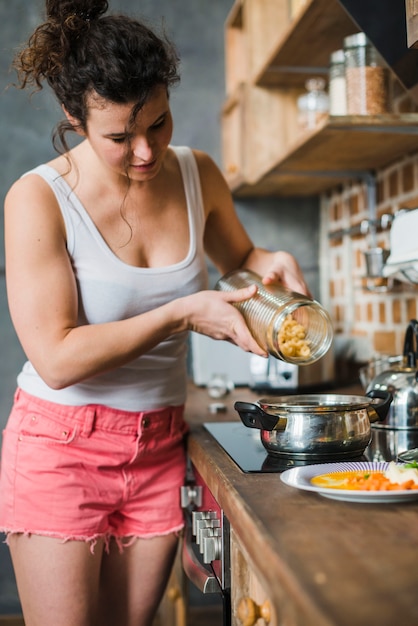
{"points": [[25, 132]]}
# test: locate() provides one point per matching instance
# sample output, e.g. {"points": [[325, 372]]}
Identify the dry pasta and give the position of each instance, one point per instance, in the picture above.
{"points": [[292, 339]]}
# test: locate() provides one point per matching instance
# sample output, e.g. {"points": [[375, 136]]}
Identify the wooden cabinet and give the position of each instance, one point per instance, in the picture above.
{"points": [[268, 56], [250, 604], [254, 602]]}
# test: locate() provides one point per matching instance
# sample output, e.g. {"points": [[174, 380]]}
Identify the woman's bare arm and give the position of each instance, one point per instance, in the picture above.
{"points": [[43, 300]]}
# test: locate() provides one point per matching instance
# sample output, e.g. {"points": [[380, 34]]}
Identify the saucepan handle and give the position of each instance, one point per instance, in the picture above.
{"points": [[254, 417], [410, 348], [381, 409]]}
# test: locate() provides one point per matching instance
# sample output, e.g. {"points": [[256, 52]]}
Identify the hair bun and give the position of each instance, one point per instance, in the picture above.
{"points": [[88, 10]]}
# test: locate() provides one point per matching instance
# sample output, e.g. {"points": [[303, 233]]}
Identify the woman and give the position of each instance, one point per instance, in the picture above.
{"points": [[106, 274]]}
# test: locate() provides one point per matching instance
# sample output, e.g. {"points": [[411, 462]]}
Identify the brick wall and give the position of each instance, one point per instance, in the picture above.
{"points": [[370, 315]]}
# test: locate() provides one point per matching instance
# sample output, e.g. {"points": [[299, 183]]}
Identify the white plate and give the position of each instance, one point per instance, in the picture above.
{"points": [[300, 477]]}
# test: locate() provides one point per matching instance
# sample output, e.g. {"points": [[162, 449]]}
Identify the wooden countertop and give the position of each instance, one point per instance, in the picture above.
{"points": [[339, 563]]}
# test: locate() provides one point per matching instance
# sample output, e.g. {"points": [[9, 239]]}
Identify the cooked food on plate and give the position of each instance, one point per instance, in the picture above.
{"points": [[394, 478]]}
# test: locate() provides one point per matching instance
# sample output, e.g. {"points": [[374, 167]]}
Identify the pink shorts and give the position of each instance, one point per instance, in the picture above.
{"points": [[91, 471]]}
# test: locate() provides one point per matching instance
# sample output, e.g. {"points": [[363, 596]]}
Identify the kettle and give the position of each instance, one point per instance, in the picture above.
{"points": [[401, 381]]}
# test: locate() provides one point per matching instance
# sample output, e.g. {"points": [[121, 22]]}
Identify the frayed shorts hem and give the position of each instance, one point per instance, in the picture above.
{"points": [[123, 541]]}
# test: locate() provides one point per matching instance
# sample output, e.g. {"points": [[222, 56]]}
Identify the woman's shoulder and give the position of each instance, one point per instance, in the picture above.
{"points": [[210, 174], [31, 194], [31, 182], [202, 158], [215, 191]]}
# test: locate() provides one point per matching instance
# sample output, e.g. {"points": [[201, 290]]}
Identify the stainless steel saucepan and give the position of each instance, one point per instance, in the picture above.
{"points": [[317, 426]]}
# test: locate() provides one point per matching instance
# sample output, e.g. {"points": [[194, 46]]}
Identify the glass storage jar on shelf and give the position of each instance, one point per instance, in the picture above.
{"points": [[337, 84], [366, 77], [313, 106], [288, 325]]}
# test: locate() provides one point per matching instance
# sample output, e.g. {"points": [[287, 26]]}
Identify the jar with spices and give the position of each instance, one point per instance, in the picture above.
{"points": [[337, 87], [288, 325], [313, 106], [366, 77]]}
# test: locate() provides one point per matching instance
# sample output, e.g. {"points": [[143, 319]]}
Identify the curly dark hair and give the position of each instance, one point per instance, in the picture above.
{"points": [[80, 51]]}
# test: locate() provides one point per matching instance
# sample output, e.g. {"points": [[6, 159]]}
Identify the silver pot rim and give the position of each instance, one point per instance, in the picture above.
{"points": [[315, 403]]}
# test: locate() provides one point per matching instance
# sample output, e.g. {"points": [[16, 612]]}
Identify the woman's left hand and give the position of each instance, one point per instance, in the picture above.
{"points": [[279, 268]]}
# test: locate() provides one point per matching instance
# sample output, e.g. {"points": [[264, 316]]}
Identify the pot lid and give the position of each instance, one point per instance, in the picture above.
{"points": [[315, 403]]}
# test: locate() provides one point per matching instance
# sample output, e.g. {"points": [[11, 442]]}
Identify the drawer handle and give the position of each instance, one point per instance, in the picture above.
{"points": [[249, 611], [199, 575]]}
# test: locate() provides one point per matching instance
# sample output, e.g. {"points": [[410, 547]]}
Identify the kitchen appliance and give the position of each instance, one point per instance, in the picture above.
{"points": [[209, 358], [388, 444], [317, 426], [400, 380], [398, 432], [244, 447], [205, 548], [402, 262], [378, 364]]}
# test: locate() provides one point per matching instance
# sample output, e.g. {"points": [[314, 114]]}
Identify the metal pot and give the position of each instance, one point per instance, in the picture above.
{"points": [[317, 426], [388, 444], [400, 381]]}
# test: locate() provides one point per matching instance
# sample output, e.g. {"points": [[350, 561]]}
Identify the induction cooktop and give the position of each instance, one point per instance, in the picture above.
{"points": [[244, 447]]}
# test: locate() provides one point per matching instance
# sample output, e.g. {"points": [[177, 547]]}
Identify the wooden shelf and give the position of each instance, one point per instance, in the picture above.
{"points": [[305, 47], [341, 148], [264, 151]]}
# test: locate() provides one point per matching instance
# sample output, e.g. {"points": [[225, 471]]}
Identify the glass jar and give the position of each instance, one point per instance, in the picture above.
{"points": [[337, 86], [313, 106], [366, 77], [288, 325]]}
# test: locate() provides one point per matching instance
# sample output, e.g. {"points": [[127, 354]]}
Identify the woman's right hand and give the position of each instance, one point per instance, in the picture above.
{"points": [[212, 313]]}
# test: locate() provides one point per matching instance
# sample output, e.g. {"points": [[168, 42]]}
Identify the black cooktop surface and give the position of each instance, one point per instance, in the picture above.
{"points": [[242, 444], [245, 448]]}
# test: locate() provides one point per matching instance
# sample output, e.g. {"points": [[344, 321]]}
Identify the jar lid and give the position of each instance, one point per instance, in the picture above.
{"points": [[337, 57], [316, 83], [354, 41]]}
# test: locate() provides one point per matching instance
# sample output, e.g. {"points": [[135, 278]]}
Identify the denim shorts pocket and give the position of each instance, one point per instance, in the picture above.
{"points": [[42, 428]]}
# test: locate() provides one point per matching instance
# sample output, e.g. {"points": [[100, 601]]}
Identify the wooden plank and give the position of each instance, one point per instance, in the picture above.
{"points": [[265, 22], [359, 145], [339, 149], [305, 47], [235, 49]]}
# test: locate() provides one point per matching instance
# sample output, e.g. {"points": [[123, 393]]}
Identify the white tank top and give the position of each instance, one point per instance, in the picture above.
{"points": [[110, 290]]}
